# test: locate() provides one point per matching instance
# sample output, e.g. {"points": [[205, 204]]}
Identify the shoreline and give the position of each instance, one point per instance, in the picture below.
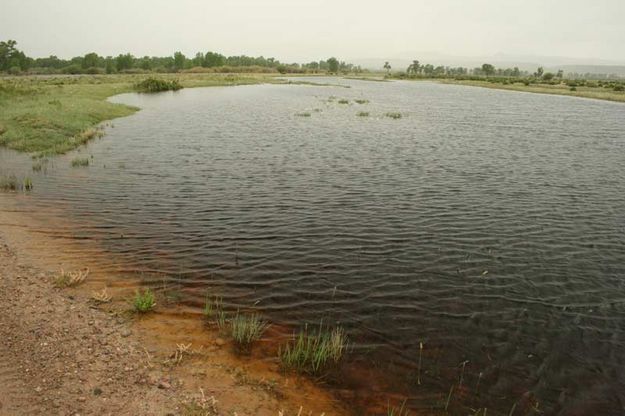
{"points": [[69, 355]]}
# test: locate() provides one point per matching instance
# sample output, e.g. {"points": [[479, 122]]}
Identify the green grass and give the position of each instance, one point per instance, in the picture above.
{"points": [[393, 115], [595, 92], [361, 101], [53, 115], [305, 114], [246, 329], [144, 301], [314, 352], [343, 101], [13, 183], [150, 85], [80, 162], [362, 114]]}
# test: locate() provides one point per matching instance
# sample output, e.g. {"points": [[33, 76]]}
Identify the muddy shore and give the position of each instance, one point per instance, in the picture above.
{"points": [[62, 353]]}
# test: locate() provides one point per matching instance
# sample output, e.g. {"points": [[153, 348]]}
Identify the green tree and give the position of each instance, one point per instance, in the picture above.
{"points": [[123, 62], [212, 59], [488, 69], [179, 60], [560, 74], [548, 76], [414, 67], [90, 60], [539, 72], [333, 65], [387, 66]]}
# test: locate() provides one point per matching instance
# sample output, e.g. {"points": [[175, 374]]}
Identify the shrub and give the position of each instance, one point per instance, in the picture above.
{"points": [[144, 302], [619, 88], [156, 85], [313, 352]]}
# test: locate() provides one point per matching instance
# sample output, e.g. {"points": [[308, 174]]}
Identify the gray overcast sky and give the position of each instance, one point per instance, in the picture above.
{"points": [[293, 30]]}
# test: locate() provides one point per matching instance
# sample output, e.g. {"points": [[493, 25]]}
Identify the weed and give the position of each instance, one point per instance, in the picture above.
{"points": [[9, 183], [80, 162], [305, 114], [101, 296], [397, 411], [28, 184], [246, 329], [203, 406], [144, 302], [71, 279], [343, 101], [362, 114], [393, 115], [313, 352], [361, 101]]}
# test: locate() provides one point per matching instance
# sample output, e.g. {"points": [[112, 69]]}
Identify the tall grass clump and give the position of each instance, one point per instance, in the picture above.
{"points": [[214, 312], [80, 162], [393, 115], [315, 352], [246, 329], [12, 183], [157, 85], [144, 301]]}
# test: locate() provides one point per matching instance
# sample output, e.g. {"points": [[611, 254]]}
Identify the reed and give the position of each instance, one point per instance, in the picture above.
{"points": [[314, 352], [397, 411], [80, 162], [246, 329]]}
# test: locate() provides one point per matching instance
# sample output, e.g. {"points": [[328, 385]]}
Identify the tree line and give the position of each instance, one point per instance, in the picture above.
{"points": [[14, 61]]}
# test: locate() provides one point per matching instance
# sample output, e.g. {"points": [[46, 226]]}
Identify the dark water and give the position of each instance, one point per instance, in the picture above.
{"points": [[488, 225]]}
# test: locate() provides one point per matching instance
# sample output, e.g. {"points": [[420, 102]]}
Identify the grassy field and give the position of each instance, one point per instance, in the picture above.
{"points": [[53, 115]]}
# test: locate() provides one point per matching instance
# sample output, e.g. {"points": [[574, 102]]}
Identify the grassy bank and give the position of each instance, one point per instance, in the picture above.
{"points": [[598, 93], [53, 115]]}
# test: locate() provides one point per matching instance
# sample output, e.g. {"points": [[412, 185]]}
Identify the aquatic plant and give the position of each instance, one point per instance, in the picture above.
{"points": [[80, 162], [150, 85], [70, 279], [28, 184], [9, 183], [313, 352], [144, 302], [343, 101], [305, 114], [393, 115], [361, 101], [397, 411], [246, 329], [363, 114]]}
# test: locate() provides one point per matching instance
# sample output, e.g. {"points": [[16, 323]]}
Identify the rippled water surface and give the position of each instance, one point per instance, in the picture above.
{"points": [[487, 225]]}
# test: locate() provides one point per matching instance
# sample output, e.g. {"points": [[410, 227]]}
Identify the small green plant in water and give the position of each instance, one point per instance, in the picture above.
{"points": [[361, 101], [9, 183], [313, 353], [343, 101], [246, 329], [362, 114], [144, 302], [28, 184], [80, 162], [394, 116], [306, 114]]}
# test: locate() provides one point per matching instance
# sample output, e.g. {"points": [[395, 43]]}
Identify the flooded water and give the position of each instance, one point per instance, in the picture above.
{"points": [[488, 226]]}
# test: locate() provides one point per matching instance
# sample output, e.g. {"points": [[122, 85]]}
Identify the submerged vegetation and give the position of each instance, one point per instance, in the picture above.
{"points": [[362, 114], [393, 115], [80, 162], [12, 183], [313, 352]]}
